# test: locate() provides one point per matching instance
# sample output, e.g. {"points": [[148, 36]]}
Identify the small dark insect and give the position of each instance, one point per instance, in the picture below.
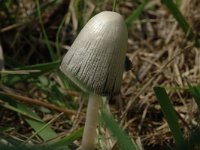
{"points": [[128, 64]]}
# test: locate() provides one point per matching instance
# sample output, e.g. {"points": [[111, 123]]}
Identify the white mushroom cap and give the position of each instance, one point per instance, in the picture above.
{"points": [[96, 59]]}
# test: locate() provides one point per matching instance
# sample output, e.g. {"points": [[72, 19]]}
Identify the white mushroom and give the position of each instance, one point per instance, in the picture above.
{"points": [[95, 62]]}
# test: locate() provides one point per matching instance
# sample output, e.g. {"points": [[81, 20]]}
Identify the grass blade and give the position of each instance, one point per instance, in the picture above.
{"points": [[47, 133], [58, 35], [195, 90], [68, 139], [43, 67], [114, 5], [6, 105], [52, 54], [42, 128], [31, 118], [123, 139], [181, 21], [171, 117], [39, 69], [80, 8], [136, 13]]}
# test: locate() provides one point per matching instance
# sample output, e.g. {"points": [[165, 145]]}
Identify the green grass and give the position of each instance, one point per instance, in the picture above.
{"points": [[123, 140], [192, 142], [195, 91], [171, 117], [136, 13], [30, 117], [173, 8], [52, 54]]}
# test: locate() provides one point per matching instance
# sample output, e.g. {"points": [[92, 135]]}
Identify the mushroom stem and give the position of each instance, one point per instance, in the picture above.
{"points": [[89, 133]]}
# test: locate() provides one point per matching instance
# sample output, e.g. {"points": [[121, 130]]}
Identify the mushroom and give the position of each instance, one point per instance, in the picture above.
{"points": [[95, 62]]}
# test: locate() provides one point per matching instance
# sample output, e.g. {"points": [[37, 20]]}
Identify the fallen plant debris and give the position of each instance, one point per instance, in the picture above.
{"points": [[157, 47]]}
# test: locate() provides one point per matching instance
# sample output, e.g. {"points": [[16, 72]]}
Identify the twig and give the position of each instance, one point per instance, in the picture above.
{"points": [[18, 71], [39, 103]]}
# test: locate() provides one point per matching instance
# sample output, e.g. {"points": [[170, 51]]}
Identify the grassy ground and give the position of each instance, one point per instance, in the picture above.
{"points": [[40, 106]]}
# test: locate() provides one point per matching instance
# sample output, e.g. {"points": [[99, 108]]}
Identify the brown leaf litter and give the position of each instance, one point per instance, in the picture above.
{"points": [[161, 56]]}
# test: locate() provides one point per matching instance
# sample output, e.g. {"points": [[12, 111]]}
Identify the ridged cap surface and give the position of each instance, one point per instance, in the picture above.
{"points": [[96, 59]]}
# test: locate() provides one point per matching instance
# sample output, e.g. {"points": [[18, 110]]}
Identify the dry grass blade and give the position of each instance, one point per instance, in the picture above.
{"points": [[42, 128], [40, 103]]}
